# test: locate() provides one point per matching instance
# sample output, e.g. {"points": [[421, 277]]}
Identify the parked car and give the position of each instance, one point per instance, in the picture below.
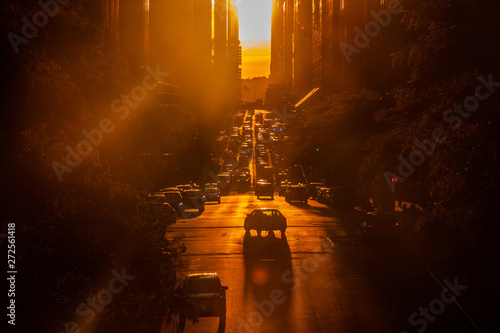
{"points": [[209, 185], [164, 207], [282, 187], [379, 227], [322, 195], [264, 188], [265, 219], [311, 190], [169, 189], [184, 187], [208, 296], [330, 195], [319, 191], [193, 199], [341, 198], [174, 198], [296, 193]]}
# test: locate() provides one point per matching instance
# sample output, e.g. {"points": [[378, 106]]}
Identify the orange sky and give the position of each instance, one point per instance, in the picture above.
{"points": [[255, 36], [256, 58]]}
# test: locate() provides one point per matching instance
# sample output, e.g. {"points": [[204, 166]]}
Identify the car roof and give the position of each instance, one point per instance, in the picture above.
{"points": [[201, 275], [262, 209]]}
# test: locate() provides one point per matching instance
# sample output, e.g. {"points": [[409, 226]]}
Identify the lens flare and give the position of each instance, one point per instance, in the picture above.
{"points": [[260, 276]]}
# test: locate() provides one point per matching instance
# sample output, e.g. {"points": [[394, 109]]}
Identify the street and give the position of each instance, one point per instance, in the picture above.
{"points": [[320, 278]]}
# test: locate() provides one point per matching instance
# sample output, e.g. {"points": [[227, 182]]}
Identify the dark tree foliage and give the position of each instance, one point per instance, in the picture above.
{"points": [[74, 232], [457, 44], [331, 134], [452, 46]]}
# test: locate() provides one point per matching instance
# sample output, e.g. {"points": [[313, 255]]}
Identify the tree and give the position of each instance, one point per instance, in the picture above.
{"points": [[77, 226]]}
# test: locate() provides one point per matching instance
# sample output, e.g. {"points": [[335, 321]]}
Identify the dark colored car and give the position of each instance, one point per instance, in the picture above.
{"points": [[379, 227], [184, 187], [341, 198], [259, 118], [267, 219], [224, 179], [263, 188], [265, 172], [311, 190], [243, 182], [193, 199], [283, 187], [296, 193], [164, 208], [212, 194], [208, 296], [174, 198], [322, 195]]}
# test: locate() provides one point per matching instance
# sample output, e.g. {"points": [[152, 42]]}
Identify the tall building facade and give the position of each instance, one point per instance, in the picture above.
{"points": [[334, 45], [277, 31], [195, 41], [227, 55]]}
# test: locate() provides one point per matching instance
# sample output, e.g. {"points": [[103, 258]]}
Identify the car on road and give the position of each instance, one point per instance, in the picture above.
{"points": [[296, 193], [264, 188], [282, 187], [224, 180], [265, 219], [312, 191], [243, 182], [259, 118], [185, 187], [165, 209], [174, 198], [206, 292], [208, 185], [193, 199], [212, 194], [379, 227]]}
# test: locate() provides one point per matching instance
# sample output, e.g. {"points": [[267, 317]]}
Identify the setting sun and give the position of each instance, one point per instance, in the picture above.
{"points": [[255, 36]]}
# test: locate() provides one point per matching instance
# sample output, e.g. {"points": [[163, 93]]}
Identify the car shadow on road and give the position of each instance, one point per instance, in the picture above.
{"points": [[187, 215], [326, 211], [268, 270]]}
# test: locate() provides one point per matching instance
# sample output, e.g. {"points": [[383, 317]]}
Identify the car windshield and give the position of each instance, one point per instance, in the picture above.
{"points": [[202, 285], [211, 190], [266, 213]]}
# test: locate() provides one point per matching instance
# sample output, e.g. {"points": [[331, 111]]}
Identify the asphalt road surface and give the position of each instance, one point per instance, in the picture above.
{"points": [[319, 278]]}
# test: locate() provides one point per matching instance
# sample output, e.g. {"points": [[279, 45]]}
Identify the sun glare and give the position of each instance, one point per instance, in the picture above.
{"points": [[255, 36]]}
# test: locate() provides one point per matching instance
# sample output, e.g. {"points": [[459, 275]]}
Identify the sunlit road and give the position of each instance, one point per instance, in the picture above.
{"points": [[320, 278]]}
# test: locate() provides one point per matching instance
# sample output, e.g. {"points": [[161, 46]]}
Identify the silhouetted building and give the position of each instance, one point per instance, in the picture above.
{"points": [[302, 48], [227, 55], [334, 44], [277, 42]]}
